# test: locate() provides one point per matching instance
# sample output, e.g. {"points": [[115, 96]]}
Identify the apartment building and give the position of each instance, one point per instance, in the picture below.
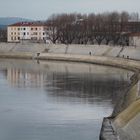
{"points": [[34, 31]]}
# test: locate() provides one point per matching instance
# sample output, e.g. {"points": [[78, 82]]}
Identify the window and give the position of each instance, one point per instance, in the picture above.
{"points": [[28, 33], [43, 33], [11, 33], [35, 33], [11, 38], [34, 38], [35, 28], [18, 38], [24, 33], [31, 28], [24, 28], [18, 29], [15, 33]]}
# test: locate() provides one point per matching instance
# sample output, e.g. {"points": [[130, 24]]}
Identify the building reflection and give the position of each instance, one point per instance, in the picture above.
{"points": [[22, 78], [68, 84]]}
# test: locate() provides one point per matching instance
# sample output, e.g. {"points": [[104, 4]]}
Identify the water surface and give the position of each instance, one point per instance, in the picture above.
{"points": [[56, 100]]}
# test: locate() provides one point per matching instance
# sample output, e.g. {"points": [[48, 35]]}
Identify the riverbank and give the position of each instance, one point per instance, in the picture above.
{"points": [[130, 122], [130, 52], [101, 60]]}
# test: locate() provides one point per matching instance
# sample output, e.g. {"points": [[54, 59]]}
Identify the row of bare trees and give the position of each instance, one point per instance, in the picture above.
{"points": [[3, 35], [106, 28]]}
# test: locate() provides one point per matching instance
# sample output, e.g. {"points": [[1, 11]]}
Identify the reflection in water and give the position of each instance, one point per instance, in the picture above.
{"points": [[17, 77], [56, 100], [87, 87]]}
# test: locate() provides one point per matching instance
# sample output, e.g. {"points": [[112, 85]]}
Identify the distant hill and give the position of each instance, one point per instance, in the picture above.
{"points": [[3, 26], [11, 20], [4, 21]]}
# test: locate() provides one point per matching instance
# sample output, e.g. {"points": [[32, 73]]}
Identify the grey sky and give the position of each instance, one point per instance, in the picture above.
{"points": [[41, 9]]}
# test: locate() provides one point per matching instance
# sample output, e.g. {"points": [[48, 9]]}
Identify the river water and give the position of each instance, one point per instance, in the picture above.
{"points": [[56, 100]]}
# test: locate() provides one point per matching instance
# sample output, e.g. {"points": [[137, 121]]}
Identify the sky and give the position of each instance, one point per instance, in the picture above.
{"points": [[42, 9]]}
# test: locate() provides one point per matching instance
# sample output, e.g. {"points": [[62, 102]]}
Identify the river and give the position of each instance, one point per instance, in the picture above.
{"points": [[48, 100]]}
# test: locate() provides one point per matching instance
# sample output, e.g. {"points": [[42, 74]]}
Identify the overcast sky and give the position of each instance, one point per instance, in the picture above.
{"points": [[42, 9]]}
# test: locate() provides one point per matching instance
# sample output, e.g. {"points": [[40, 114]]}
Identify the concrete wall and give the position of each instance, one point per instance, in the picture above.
{"points": [[96, 50]]}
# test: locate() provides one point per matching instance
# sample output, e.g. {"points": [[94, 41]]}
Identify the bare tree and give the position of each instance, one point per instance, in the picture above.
{"points": [[3, 35], [108, 27]]}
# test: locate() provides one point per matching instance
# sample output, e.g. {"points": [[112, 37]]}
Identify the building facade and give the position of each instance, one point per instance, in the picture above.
{"points": [[34, 31], [134, 39]]}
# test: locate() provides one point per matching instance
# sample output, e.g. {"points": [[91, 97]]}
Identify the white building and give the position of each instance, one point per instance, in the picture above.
{"points": [[34, 31], [134, 39]]}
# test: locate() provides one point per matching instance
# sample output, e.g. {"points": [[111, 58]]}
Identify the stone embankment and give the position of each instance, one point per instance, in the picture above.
{"points": [[103, 50], [124, 124], [101, 60]]}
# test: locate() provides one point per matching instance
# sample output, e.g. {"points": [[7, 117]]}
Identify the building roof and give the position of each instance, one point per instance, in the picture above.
{"points": [[28, 24], [134, 34]]}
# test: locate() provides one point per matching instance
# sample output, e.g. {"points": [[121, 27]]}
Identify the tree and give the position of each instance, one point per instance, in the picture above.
{"points": [[51, 29], [3, 35], [108, 27]]}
